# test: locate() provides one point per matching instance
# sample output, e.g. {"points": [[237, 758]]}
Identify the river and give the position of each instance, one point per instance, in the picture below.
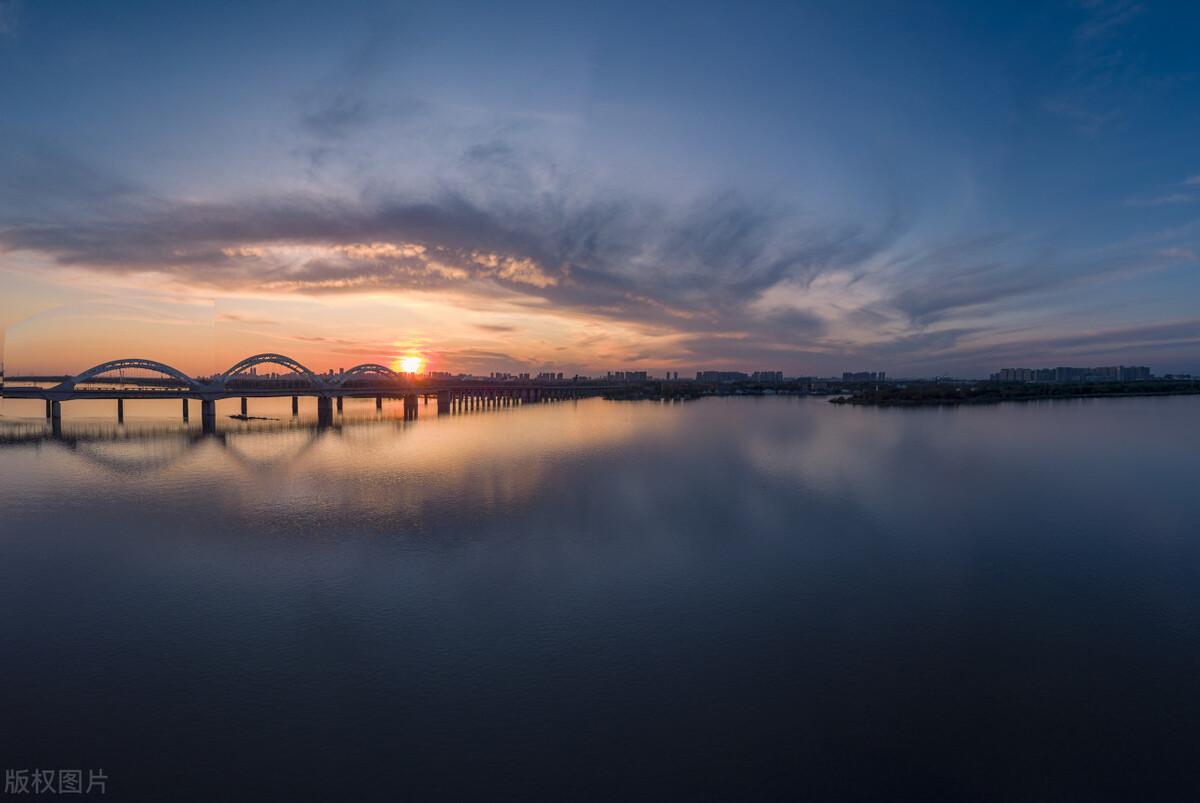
{"points": [[723, 599]]}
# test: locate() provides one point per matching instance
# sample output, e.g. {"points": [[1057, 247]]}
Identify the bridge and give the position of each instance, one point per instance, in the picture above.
{"points": [[241, 380]]}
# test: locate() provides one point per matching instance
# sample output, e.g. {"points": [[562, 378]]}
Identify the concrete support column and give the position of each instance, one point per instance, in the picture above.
{"points": [[245, 405], [208, 415], [324, 411], [295, 405], [379, 402], [120, 411], [48, 406], [410, 406], [55, 410], [339, 404], [185, 409], [443, 402]]}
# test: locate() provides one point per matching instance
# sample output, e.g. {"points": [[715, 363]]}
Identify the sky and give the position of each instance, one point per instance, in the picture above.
{"points": [[926, 188]]}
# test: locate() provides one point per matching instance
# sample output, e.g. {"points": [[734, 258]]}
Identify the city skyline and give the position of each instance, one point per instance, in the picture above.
{"points": [[925, 191]]}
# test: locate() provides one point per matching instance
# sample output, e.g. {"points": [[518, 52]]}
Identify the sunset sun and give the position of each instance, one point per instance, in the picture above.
{"points": [[408, 365]]}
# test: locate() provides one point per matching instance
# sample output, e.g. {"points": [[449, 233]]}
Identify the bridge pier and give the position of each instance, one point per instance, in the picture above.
{"points": [[185, 409], [56, 410], [379, 402], [324, 411], [208, 415], [295, 405], [120, 411], [48, 406], [339, 405], [410, 406], [244, 406], [443, 402]]}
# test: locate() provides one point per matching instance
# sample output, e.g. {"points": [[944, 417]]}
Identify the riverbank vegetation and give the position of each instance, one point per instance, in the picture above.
{"points": [[914, 394]]}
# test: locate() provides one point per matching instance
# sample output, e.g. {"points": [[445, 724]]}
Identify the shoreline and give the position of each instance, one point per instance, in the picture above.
{"points": [[900, 400]]}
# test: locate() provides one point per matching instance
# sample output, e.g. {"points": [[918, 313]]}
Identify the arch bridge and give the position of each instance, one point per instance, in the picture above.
{"points": [[108, 381]]}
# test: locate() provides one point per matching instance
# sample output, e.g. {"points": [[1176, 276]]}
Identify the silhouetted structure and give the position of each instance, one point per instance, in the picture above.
{"points": [[721, 376], [1110, 373]]}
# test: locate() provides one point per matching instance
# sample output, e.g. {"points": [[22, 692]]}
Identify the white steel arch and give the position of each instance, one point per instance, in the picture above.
{"points": [[129, 363], [365, 369], [269, 359]]}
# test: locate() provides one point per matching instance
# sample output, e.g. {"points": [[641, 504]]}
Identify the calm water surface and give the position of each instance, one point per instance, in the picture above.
{"points": [[728, 599]]}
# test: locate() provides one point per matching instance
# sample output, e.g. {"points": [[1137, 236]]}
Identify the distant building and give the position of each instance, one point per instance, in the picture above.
{"points": [[863, 376], [767, 376], [1106, 373], [628, 376], [721, 376]]}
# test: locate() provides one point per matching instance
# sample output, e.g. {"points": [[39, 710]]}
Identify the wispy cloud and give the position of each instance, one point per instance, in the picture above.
{"points": [[9, 12], [1101, 78], [1162, 200], [234, 317], [1104, 17]]}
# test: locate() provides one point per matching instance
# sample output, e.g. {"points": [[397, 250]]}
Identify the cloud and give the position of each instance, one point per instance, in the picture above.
{"points": [[723, 278], [611, 255], [335, 109], [9, 12], [234, 317], [39, 179], [1102, 80], [1161, 200], [1193, 181], [1104, 18], [1097, 345], [334, 115]]}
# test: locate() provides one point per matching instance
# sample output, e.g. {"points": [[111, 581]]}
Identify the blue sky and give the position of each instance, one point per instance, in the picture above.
{"points": [[924, 188]]}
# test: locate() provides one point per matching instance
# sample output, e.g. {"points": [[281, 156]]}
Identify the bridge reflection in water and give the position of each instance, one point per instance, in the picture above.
{"points": [[107, 381]]}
